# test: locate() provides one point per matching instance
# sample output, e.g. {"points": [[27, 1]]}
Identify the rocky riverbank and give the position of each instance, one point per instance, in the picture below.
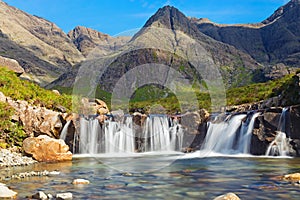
{"points": [[10, 159]]}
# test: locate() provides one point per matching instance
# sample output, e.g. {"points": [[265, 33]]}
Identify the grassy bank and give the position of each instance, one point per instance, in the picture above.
{"points": [[12, 86]]}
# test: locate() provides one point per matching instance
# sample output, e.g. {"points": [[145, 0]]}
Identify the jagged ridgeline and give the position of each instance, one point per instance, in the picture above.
{"points": [[169, 39], [243, 54]]}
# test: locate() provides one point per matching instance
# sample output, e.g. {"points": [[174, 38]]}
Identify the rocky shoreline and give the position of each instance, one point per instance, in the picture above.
{"points": [[11, 159]]}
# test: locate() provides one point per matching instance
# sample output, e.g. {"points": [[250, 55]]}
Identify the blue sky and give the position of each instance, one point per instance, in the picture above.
{"points": [[114, 17]]}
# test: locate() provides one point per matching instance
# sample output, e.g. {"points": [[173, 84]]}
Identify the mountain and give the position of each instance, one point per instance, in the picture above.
{"points": [[170, 38], [86, 39], [273, 41], [42, 48]]}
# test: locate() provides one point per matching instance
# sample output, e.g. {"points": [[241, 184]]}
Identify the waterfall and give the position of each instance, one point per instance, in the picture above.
{"points": [[158, 133], [220, 136], [89, 136], [119, 137], [64, 132], [279, 146], [246, 133], [282, 120], [233, 135]]}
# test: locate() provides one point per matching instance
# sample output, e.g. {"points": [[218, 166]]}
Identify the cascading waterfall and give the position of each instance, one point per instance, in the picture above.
{"points": [[159, 133], [282, 120], [246, 133], [221, 137], [119, 137], [89, 137], [280, 145], [64, 131]]}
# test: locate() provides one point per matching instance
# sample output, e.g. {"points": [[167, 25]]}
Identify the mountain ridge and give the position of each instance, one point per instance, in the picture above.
{"points": [[271, 42]]}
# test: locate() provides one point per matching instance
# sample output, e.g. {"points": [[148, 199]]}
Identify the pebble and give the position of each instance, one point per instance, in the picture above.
{"points": [[10, 159]]}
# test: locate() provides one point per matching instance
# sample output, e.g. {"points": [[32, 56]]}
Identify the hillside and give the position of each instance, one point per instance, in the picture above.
{"points": [[41, 47], [12, 131], [273, 41]]}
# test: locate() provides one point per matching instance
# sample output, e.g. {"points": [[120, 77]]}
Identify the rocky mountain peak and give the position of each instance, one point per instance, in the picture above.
{"points": [[168, 17], [289, 10], [81, 30]]}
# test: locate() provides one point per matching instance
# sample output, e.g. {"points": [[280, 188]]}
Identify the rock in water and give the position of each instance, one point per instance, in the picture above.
{"points": [[228, 196], [40, 195], [64, 196], [46, 149], [292, 177], [6, 193], [80, 182]]}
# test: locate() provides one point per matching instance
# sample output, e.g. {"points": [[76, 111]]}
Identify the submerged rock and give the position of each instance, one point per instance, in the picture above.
{"points": [[46, 149], [80, 182], [64, 196], [6, 193], [292, 177], [228, 196]]}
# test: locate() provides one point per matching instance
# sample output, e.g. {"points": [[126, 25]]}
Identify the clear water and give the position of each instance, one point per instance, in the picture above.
{"points": [[187, 177]]}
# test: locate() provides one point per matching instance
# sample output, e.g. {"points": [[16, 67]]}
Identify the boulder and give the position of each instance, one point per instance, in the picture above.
{"points": [[93, 106], [12, 65], [6, 193], [194, 125], [101, 107], [46, 149], [228, 196]]}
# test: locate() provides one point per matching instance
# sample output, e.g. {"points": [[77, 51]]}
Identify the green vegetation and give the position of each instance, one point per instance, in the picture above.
{"points": [[259, 91], [11, 134], [18, 89], [149, 96]]}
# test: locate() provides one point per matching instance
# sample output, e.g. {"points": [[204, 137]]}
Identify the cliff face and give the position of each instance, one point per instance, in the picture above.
{"points": [[275, 40], [41, 47], [86, 40]]}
